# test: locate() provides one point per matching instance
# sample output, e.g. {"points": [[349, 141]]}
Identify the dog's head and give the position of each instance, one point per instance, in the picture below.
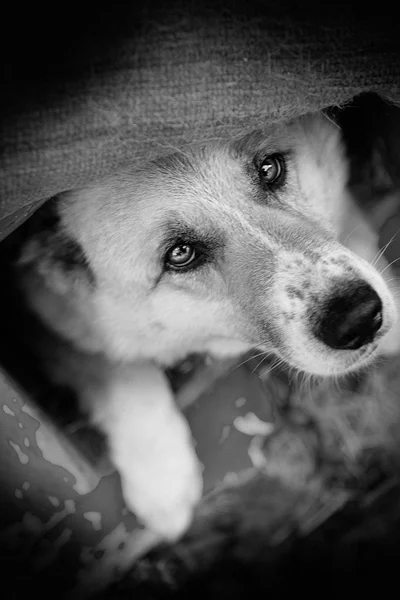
{"points": [[228, 247]]}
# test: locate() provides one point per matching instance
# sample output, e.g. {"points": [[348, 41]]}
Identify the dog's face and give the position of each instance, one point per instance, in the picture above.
{"points": [[230, 247]]}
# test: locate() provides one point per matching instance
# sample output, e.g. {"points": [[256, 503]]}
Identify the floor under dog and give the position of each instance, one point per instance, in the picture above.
{"points": [[301, 476]]}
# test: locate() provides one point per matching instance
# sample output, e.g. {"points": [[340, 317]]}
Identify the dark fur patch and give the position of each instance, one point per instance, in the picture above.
{"points": [[338, 261], [294, 292], [45, 229], [288, 316], [314, 256], [69, 254]]}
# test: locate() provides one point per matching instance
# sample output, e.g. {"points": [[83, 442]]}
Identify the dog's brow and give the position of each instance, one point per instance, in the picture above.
{"points": [[174, 230], [257, 145], [246, 145]]}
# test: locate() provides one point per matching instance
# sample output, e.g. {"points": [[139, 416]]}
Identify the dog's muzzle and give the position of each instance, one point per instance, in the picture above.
{"points": [[350, 319]]}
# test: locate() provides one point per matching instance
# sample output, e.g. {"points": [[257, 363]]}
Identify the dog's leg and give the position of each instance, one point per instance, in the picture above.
{"points": [[150, 445]]}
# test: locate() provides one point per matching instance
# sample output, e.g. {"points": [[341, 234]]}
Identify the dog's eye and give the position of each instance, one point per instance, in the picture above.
{"points": [[181, 256], [271, 168]]}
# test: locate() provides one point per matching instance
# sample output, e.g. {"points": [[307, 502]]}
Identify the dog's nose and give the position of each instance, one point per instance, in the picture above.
{"points": [[351, 319]]}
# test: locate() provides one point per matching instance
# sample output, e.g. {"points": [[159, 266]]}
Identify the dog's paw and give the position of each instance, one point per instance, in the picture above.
{"points": [[165, 486], [151, 446]]}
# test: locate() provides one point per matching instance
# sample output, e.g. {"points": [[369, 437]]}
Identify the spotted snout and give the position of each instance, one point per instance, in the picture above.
{"points": [[333, 312]]}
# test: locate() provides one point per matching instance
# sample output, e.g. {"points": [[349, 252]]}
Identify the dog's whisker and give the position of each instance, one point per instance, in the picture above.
{"points": [[293, 374], [389, 265], [306, 382], [263, 343], [383, 250], [276, 364], [351, 233], [248, 359], [260, 363]]}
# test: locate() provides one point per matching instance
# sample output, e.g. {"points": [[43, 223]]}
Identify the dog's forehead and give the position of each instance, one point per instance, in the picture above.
{"points": [[223, 171], [268, 141], [218, 182], [212, 187], [207, 178]]}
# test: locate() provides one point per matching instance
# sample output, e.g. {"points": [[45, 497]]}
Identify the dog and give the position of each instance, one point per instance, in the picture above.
{"points": [[217, 249]]}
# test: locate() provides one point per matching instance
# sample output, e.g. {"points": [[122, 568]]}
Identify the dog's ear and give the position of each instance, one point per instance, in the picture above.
{"points": [[380, 176], [43, 245], [322, 166]]}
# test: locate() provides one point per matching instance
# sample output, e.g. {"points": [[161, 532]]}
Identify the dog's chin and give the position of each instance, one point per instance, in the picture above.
{"points": [[330, 363], [324, 364]]}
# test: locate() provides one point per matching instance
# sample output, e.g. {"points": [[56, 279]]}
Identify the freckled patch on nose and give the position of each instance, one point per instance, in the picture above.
{"points": [[334, 266], [288, 316], [314, 299], [298, 262], [293, 268], [340, 261], [337, 261], [314, 256], [330, 261], [324, 270], [294, 292]]}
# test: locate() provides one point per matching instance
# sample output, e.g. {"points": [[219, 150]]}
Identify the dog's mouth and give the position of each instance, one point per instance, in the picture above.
{"points": [[327, 364], [368, 351]]}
